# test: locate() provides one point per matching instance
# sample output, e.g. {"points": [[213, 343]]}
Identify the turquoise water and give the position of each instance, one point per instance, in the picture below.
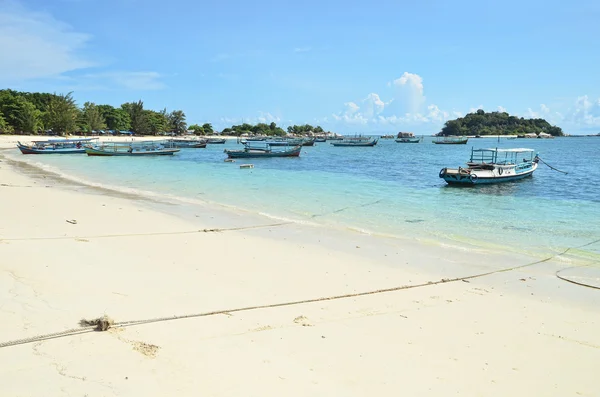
{"points": [[391, 190]]}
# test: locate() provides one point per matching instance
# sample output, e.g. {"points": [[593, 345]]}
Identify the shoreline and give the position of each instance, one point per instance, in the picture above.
{"points": [[507, 332]]}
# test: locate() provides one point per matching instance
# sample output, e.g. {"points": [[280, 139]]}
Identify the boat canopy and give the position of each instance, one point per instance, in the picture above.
{"points": [[516, 150], [73, 140]]}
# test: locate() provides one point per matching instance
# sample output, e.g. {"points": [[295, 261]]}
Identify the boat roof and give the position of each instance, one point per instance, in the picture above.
{"points": [[65, 140], [514, 150]]}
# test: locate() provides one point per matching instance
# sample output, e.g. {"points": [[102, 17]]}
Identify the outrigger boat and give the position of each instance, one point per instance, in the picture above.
{"points": [[134, 149], [356, 141], [451, 140], [407, 137], [55, 146], [488, 166], [266, 151]]}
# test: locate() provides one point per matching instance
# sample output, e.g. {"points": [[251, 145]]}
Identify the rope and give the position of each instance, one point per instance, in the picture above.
{"points": [[75, 331], [551, 167], [216, 230], [573, 281]]}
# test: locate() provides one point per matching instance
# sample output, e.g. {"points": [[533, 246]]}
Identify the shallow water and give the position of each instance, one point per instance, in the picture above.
{"points": [[391, 189]]}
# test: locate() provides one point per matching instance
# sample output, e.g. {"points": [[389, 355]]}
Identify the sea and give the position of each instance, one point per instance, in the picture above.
{"points": [[391, 190]]}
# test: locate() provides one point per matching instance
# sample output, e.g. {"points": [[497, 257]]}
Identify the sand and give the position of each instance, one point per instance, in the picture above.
{"points": [[68, 252]]}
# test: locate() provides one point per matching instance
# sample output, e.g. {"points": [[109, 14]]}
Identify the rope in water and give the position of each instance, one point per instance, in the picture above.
{"points": [[75, 331], [551, 167]]}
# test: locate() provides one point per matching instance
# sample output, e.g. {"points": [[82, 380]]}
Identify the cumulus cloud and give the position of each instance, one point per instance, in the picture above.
{"points": [[502, 109], [585, 112], [410, 91], [369, 108], [262, 117], [36, 45]]}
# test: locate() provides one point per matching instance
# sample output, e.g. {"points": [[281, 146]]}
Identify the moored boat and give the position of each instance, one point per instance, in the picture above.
{"points": [[187, 143], [261, 152], [488, 166], [55, 146], [451, 140], [407, 137], [133, 149], [357, 141], [216, 141]]}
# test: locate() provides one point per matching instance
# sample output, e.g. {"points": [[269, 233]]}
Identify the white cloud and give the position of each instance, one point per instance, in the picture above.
{"points": [[263, 117], [473, 110], [502, 109], [136, 81], [302, 49], [586, 112], [411, 91], [369, 108], [35, 45]]}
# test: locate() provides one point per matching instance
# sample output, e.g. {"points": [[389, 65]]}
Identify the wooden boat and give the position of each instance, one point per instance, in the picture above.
{"points": [[320, 139], [407, 137], [388, 136], [187, 143], [216, 141], [55, 146], [133, 149], [488, 166], [357, 141], [266, 151], [451, 140]]}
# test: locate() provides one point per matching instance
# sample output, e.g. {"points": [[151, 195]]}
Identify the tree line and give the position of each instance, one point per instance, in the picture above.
{"points": [[497, 123], [33, 113]]}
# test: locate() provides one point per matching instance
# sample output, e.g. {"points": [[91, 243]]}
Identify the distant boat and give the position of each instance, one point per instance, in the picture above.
{"points": [[357, 141], [262, 152], [488, 166], [407, 137], [187, 143], [451, 140], [320, 139], [216, 141], [132, 149], [55, 146], [389, 136]]}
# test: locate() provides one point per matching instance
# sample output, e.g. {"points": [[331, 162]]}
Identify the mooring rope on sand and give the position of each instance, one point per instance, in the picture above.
{"points": [[105, 323], [215, 230]]}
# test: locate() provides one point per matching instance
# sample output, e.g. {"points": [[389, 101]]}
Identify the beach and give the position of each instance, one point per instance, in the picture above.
{"points": [[329, 312]]}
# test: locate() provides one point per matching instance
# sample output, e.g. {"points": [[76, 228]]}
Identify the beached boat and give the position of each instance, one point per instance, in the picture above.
{"points": [[216, 141], [134, 149], [55, 146], [250, 151], [493, 166], [407, 137], [451, 140], [187, 143], [357, 141]]}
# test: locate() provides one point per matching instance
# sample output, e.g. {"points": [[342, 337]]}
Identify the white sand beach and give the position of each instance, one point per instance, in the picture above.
{"points": [[69, 252]]}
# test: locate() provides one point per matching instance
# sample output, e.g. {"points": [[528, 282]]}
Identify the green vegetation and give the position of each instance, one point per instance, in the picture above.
{"points": [[497, 123], [33, 113]]}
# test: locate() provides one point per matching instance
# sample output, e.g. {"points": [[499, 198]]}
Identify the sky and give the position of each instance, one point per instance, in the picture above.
{"points": [[349, 66]]}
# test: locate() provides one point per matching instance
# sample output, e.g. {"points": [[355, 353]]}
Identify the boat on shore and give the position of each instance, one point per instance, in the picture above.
{"points": [[132, 149], [357, 141], [250, 151], [55, 146], [407, 137], [487, 166], [451, 140]]}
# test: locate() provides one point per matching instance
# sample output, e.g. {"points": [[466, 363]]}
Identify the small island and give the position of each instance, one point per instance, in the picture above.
{"points": [[497, 123]]}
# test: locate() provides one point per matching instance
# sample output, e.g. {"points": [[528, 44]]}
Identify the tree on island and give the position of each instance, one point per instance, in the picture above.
{"points": [[32, 113], [497, 123]]}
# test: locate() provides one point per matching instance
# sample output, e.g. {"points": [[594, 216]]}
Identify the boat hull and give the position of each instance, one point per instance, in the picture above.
{"points": [[356, 144], [29, 150], [262, 153], [476, 177], [161, 152], [408, 140]]}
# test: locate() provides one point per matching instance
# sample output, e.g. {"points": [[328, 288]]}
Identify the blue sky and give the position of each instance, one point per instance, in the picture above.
{"points": [[349, 66]]}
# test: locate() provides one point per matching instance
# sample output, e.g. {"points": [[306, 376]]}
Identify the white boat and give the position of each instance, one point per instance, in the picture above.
{"points": [[488, 166]]}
